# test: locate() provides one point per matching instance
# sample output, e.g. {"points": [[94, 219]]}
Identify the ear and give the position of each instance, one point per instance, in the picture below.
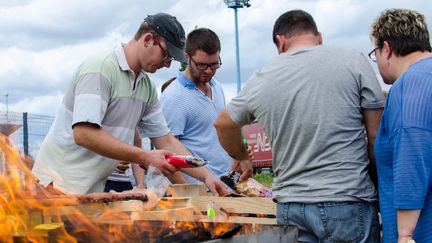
{"points": [[320, 40], [147, 38], [281, 43], [387, 50]]}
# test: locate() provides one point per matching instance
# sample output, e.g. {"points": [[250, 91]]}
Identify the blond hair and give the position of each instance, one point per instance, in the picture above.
{"points": [[405, 30]]}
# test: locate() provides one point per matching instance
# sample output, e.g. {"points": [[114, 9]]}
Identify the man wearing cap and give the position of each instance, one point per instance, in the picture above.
{"points": [[109, 96]]}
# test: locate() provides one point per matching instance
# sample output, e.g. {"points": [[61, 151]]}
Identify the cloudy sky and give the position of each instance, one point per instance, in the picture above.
{"points": [[43, 41]]}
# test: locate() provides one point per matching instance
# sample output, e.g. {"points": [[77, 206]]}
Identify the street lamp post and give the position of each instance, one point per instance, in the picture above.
{"points": [[7, 106], [235, 4]]}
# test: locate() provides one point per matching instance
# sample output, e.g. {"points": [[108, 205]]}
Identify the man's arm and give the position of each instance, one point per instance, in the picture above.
{"points": [[166, 142], [406, 223], [229, 134], [136, 169], [372, 118], [170, 143], [94, 138]]}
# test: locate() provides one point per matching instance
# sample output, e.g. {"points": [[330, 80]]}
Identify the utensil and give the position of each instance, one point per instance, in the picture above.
{"points": [[185, 161]]}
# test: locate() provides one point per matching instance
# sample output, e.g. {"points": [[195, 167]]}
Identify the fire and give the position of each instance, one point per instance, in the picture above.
{"points": [[13, 216], [19, 208], [32, 213], [29, 211]]}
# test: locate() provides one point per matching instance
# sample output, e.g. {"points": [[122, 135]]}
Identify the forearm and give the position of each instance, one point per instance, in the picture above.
{"points": [[177, 178], [200, 173], [138, 173], [170, 143], [230, 137], [103, 143], [406, 222], [372, 118], [232, 142], [372, 165], [173, 145], [136, 169]]}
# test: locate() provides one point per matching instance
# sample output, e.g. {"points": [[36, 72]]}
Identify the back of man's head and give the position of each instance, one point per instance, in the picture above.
{"points": [[294, 22], [202, 39], [405, 30]]}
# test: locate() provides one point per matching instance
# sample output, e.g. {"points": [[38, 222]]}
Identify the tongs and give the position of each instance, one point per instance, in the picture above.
{"points": [[185, 161]]}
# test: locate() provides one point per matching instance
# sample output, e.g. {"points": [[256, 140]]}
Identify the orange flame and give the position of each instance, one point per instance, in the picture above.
{"points": [[35, 214]]}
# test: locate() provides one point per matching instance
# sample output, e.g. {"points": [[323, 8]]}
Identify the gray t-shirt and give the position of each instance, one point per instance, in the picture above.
{"points": [[309, 103]]}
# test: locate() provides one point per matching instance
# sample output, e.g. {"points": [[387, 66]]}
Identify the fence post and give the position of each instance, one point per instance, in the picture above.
{"points": [[25, 133]]}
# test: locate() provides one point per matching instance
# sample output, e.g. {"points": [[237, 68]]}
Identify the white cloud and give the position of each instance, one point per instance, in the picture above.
{"points": [[38, 105], [26, 72], [43, 41]]}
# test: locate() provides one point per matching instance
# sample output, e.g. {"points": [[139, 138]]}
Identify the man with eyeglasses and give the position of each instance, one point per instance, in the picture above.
{"points": [[317, 104], [109, 97], [192, 101]]}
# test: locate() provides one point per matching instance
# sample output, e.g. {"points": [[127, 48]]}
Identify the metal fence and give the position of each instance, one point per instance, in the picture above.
{"points": [[27, 131]]}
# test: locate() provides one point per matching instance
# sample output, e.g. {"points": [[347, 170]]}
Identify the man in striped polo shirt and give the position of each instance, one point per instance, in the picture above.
{"points": [[193, 100], [111, 95]]}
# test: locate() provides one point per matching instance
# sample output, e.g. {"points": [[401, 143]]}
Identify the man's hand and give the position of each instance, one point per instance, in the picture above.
{"points": [[216, 186], [157, 159], [244, 167], [405, 239]]}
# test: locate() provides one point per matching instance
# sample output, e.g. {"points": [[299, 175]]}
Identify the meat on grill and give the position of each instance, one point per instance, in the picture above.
{"points": [[112, 196]]}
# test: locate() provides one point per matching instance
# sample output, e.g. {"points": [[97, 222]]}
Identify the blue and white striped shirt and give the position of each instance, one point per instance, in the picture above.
{"points": [[403, 151], [190, 115]]}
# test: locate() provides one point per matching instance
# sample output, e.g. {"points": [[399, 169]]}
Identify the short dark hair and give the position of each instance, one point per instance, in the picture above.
{"points": [[202, 39], [294, 22], [405, 30], [143, 29]]}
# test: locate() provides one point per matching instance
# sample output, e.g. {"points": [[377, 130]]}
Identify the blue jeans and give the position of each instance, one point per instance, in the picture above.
{"points": [[332, 221], [117, 186]]}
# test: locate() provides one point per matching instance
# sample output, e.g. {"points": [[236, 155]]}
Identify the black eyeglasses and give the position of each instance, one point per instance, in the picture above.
{"points": [[167, 56], [204, 66], [372, 55]]}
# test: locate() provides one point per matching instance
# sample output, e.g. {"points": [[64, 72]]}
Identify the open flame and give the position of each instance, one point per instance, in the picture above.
{"points": [[31, 212], [21, 201]]}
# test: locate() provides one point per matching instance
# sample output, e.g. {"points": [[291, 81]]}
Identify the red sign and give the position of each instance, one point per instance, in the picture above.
{"points": [[257, 138]]}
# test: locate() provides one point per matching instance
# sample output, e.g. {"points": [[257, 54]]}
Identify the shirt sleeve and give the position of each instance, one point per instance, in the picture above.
{"points": [[239, 107], [412, 167], [412, 139], [372, 96], [91, 96]]}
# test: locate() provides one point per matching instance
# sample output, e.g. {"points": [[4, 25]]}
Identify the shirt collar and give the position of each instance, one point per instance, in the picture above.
{"points": [[186, 82], [121, 58]]}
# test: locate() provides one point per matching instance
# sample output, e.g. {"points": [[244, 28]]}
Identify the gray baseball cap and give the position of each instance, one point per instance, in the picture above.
{"points": [[168, 27]]}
